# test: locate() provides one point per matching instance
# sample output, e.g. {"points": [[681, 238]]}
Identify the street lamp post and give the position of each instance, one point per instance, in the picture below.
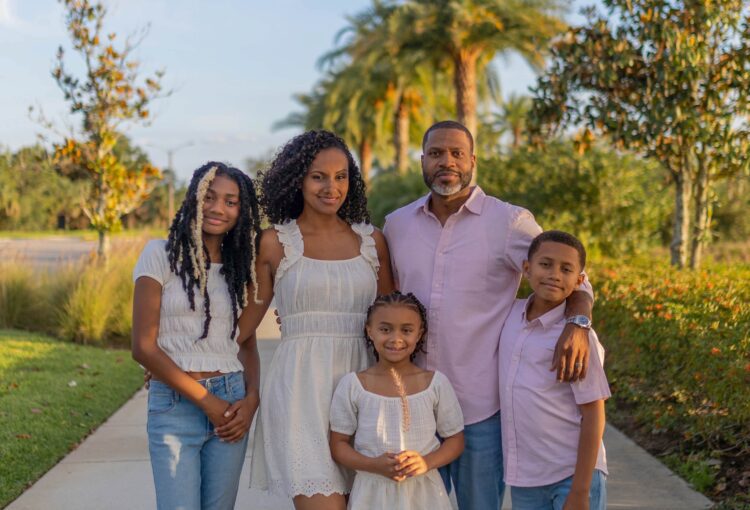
{"points": [[170, 179]]}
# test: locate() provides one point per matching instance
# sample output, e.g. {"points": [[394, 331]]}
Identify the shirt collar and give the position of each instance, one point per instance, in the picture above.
{"points": [[549, 319], [473, 204]]}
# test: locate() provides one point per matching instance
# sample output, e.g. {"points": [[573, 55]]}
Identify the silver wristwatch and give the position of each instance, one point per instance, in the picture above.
{"points": [[579, 320]]}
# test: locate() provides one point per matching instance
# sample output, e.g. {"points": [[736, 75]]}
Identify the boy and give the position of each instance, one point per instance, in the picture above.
{"points": [[551, 431]]}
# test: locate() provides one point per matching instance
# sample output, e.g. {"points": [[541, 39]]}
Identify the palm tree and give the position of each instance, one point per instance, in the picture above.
{"points": [[349, 106], [512, 117], [411, 91], [468, 34], [356, 103]]}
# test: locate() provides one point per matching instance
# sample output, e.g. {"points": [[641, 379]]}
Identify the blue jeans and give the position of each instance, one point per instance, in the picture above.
{"points": [[477, 474], [193, 470], [552, 496]]}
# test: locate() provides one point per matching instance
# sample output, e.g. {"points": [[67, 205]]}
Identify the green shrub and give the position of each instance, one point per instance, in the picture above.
{"points": [[88, 308], [390, 190], [615, 203], [679, 358], [99, 308], [19, 296], [87, 302]]}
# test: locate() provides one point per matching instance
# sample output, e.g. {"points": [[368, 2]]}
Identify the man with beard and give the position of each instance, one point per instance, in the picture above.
{"points": [[461, 253]]}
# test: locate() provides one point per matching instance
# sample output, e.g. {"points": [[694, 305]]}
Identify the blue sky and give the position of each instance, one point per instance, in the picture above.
{"points": [[233, 65]]}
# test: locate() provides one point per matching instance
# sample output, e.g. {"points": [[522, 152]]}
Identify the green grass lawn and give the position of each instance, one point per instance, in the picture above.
{"points": [[52, 395]]}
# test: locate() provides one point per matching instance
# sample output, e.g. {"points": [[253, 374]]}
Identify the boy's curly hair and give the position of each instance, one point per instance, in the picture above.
{"points": [[188, 257], [395, 298], [281, 185]]}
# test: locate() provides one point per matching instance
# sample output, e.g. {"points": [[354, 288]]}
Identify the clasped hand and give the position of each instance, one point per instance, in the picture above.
{"points": [[236, 418], [231, 421], [400, 466]]}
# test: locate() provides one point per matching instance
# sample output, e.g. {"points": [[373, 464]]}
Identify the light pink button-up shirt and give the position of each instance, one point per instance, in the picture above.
{"points": [[467, 274], [541, 422]]}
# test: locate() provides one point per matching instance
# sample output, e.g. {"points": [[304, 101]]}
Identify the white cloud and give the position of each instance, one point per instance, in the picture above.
{"points": [[6, 16]]}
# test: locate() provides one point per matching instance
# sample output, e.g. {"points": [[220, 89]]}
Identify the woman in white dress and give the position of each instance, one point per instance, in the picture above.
{"points": [[324, 264]]}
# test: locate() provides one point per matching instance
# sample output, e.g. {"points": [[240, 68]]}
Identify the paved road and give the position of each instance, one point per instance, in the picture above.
{"points": [[46, 252], [111, 470]]}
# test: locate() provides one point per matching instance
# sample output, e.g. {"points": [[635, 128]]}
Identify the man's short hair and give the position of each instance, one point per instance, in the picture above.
{"points": [[449, 124], [558, 236]]}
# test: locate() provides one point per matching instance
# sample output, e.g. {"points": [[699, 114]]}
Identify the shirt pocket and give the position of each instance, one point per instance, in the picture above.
{"points": [[537, 361], [161, 400]]}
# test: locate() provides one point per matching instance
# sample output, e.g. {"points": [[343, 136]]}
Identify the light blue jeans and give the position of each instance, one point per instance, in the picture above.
{"points": [[193, 470], [477, 474], [552, 496]]}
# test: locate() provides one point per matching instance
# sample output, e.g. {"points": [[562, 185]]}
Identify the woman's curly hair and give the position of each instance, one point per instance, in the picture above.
{"points": [[188, 256], [281, 185]]}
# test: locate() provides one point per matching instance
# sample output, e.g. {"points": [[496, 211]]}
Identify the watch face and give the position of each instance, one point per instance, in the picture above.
{"points": [[581, 320]]}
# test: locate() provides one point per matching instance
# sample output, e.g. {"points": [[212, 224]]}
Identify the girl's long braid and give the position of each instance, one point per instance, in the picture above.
{"points": [[238, 250], [188, 257], [396, 298]]}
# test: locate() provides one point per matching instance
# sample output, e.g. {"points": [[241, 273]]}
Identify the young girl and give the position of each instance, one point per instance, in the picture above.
{"points": [[189, 293], [393, 410]]}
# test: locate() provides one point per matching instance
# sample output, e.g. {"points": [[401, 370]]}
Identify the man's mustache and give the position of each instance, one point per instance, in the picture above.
{"points": [[444, 172]]}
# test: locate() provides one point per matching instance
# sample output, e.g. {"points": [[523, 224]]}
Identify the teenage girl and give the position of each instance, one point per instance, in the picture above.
{"points": [[394, 410], [190, 291]]}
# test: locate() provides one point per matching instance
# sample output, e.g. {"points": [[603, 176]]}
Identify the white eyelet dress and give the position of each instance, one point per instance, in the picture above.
{"points": [[376, 422], [322, 305]]}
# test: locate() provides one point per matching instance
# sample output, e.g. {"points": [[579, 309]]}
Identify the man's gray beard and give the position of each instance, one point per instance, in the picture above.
{"points": [[446, 191]]}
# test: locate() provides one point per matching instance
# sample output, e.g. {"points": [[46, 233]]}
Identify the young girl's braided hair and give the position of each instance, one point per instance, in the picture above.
{"points": [[187, 255], [396, 298]]}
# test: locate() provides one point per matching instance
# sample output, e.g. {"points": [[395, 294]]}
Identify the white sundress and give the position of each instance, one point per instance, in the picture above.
{"points": [[322, 305], [375, 421]]}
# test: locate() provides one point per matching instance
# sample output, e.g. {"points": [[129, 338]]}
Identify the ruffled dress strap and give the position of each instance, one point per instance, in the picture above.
{"points": [[367, 247], [290, 238]]}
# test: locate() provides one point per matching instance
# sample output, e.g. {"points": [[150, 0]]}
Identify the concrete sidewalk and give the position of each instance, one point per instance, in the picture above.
{"points": [[111, 470]]}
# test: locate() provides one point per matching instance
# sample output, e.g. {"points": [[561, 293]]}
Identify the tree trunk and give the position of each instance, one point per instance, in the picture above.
{"points": [[365, 159], [701, 227], [102, 250], [401, 137], [678, 247], [465, 83], [517, 131]]}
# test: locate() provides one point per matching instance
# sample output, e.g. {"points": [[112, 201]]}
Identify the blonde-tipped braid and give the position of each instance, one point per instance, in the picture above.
{"points": [[401, 389], [197, 253], [253, 273]]}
